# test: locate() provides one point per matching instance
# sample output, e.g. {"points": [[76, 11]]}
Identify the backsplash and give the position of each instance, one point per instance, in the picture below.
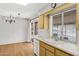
{"points": [[78, 38], [43, 33]]}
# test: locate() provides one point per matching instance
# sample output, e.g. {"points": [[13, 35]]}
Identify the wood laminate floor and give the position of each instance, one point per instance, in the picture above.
{"points": [[18, 49]]}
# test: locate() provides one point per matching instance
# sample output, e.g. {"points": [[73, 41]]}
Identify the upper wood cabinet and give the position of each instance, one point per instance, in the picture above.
{"points": [[59, 8], [77, 15], [46, 22], [41, 22]]}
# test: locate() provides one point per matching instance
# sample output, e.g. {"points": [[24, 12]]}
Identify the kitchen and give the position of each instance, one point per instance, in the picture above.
{"points": [[39, 29], [55, 32]]}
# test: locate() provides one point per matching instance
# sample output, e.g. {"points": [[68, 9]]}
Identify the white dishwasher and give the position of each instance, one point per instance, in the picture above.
{"points": [[36, 46]]}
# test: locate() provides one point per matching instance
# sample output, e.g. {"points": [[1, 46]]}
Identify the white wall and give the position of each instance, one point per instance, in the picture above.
{"points": [[13, 33], [29, 31]]}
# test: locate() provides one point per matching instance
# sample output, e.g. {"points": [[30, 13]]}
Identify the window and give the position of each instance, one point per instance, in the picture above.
{"points": [[69, 31], [64, 26], [57, 26]]}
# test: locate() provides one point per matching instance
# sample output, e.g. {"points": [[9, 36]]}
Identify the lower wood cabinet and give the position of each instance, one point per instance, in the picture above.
{"points": [[47, 50], [49, 53], [42, 51], [61, 53]]}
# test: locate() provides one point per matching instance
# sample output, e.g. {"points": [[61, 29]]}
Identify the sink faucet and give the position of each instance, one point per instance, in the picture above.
{"points": [[56, 37], [65, 38]]}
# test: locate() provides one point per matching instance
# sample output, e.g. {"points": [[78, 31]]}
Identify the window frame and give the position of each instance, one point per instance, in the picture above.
{"points": [[62, 22]]}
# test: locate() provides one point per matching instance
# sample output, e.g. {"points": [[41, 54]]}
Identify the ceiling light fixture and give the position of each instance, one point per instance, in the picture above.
{"points": [[10, 19]]}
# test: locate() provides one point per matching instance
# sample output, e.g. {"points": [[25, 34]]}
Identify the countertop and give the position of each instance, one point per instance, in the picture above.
{"points": [[65, 46]]}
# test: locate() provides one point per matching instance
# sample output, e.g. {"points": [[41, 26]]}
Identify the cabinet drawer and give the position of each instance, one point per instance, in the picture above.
{"points": [[49, 53], [61, 53]]}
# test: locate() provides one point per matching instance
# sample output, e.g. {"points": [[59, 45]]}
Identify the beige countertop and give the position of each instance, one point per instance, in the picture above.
{"points": [[65, 46]]}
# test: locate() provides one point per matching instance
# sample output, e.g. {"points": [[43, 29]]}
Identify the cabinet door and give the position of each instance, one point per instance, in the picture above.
{"points": [[77, 21], [46, 22], [42, 51], [61, 53], [49, 53], [41, 22]]}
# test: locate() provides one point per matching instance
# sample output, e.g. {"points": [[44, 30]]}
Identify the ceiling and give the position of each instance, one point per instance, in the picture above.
{"points": [[28, 11]]}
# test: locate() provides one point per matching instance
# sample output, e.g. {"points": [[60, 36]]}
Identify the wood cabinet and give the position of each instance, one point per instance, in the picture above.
{"points": [[41, 22], [61, 53], [77, 16], [47, 50], [62, 7], [46, 22], [42, 51], [49, 53]]}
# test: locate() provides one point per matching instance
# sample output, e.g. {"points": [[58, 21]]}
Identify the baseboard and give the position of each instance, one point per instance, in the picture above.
{"points": [[15, 43]]}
